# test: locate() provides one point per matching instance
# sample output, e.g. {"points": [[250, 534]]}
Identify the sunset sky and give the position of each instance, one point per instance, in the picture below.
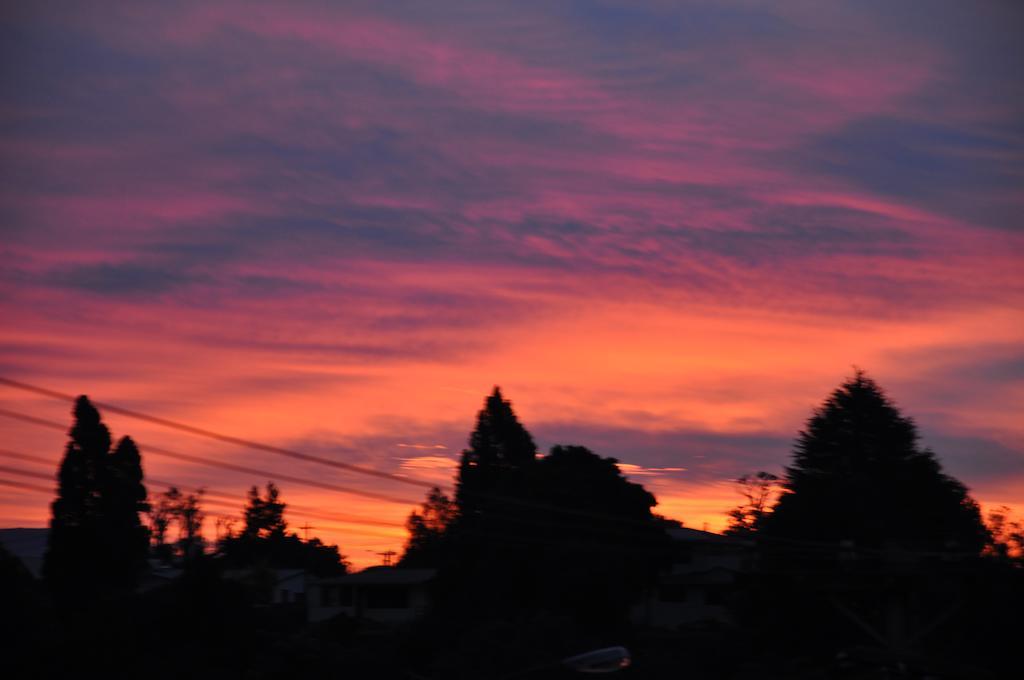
{"points": [[667, 230]]}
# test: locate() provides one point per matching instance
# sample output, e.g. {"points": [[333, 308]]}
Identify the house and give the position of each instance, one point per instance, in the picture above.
{"points": [[28, 545], [289, 586], [389, 595], [273, 586], [698, 585], [158, 575]]}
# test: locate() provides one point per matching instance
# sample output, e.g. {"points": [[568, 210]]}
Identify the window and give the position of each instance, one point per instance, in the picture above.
{"points": [[715, 595], [682, 553], [672, 592], [387, 597]]}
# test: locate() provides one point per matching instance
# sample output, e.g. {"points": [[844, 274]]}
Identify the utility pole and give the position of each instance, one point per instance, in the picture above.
{"points": [[388, 556], [305, 531]]}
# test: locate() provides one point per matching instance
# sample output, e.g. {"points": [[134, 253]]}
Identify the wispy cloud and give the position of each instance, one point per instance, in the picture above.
{"points": [[631, 469], [666, 229]]}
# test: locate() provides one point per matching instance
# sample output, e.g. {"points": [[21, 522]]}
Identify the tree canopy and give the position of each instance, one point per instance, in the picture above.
{"points": [[428, 528], [859, 473], [500, 451], [549, 532], [264, 517], [96, 539], [265, 541]]}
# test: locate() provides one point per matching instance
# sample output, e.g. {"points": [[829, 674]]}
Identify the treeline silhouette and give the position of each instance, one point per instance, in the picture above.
{"points": [[862, 559]]}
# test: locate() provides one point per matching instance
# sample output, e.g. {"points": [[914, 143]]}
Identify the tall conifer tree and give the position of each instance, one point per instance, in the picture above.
{"points": [[96, 538], [860, 474], [500, 451], [124, 497], [75, 527]]}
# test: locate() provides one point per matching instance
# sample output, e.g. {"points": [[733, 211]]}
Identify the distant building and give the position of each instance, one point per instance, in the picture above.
{"points": [[698, 585], [28, 545], [273, 586], [158, 575], [389, 595], [289, 586]]}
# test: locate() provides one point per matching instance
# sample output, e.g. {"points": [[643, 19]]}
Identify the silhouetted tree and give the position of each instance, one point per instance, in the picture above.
{"points": [[601, 543], [190, 518], [123, 497], [859, 474], [1007, 542], [75, 527], [173, 507], [758, 489], [161, 514], [264, 542], [96, 539], [870, 541], [500, 450], [264, 517], [427, 530], [565, 532]]}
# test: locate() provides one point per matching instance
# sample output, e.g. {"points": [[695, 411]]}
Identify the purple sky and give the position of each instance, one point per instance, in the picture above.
{"points": [[667, 229]]}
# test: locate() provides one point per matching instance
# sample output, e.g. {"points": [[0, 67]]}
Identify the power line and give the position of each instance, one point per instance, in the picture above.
{"points": [[809, 547], [291, 508], [23, 485], [27, 473], [792, 545], [293, 454], [210, 501], [508, 538], [24, 417], [230, 439], [508, 500], [547, 523], [160, 451]]}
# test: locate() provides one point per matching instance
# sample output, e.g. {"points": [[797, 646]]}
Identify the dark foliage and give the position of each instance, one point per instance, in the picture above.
{"points": [[874, 563], [601, 543], [162, 514], [96, 540], [871, 546], [859, 474], [428, 529], [758, 490], [264, 541], [564, 533], [1007, 542], [500, 452], [123, 498], [264, 517]]}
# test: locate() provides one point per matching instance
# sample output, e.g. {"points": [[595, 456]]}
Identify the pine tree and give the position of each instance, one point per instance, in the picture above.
{"points": [[860, 474], [124, 497], [74, 556], [96, 540], [562, 533], [500, 451]]}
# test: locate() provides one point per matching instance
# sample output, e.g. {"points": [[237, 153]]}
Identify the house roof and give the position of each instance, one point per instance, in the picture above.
{"points": [[28, 545], [707, 576], [688, 535], [384, 576], [283, 575]]}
